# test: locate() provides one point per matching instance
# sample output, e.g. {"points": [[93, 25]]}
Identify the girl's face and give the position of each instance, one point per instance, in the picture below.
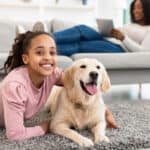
{"points": [[41, 57], [138, 11]]}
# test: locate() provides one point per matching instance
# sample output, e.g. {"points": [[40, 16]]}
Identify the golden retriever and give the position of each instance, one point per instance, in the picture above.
{"points": [[79, 103]]}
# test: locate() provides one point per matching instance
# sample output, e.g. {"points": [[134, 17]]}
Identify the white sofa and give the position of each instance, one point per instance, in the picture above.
{"points": [[123, 68]]}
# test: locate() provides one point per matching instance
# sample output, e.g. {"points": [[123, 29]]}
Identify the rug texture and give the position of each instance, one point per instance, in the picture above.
{"points": [[133, 118]]}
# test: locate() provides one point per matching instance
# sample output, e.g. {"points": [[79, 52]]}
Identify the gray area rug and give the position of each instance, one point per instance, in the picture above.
{"points": [[132, 116]]}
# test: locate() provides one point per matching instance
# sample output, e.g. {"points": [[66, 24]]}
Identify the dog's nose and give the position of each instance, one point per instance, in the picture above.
{"points": [[93, 75]]}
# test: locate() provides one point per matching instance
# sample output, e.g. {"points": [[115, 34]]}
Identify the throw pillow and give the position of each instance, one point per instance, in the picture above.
{"points": [[58, 25], [20, 29], [40, 26]]}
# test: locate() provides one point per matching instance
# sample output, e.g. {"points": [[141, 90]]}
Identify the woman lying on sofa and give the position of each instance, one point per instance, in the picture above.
{"points": [[135, 36]]}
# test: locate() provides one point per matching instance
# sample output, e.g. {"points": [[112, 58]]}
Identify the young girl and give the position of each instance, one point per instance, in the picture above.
{"points": [[32, 72]]}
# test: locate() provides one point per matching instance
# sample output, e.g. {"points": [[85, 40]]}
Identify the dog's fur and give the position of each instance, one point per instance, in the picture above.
{"points": [[72, 106]]}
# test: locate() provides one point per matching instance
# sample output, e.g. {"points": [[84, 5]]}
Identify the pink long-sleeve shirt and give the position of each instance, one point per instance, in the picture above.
{"points": [[20, 100]]}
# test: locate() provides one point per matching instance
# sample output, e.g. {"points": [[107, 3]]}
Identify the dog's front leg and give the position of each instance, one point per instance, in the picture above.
{"points": [[99, 132], [64, 130]]}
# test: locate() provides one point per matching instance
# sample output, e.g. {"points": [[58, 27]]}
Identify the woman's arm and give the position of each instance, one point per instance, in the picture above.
{"points": [[130, 44], [136, 47]]}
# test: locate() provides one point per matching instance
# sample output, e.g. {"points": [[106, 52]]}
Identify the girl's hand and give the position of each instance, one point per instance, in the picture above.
{"points": [[117, 34], [45, 126]]}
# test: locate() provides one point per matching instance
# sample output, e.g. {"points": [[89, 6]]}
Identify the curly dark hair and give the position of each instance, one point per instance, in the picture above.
{"points": [[21, 44], [146, 11]]}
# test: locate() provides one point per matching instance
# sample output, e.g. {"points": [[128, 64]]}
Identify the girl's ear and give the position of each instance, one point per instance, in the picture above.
{"points": [[25, 59]]}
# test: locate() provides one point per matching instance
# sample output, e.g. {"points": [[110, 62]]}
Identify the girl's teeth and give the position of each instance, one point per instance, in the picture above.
{"points": [[48, 66]]}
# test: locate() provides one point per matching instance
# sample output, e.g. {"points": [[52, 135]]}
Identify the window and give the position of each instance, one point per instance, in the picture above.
{"points": [[126, 13]]}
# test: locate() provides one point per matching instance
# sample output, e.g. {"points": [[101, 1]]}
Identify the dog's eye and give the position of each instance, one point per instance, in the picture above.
{"points": [[98, 67], [83, 66]]}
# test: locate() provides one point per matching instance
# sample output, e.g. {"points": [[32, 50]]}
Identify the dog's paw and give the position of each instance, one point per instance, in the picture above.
{"points": [[106, 139], [85, 142], [102, 139]]}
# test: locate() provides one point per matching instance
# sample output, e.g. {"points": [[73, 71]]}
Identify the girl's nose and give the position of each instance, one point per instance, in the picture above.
{"points": [[47, 56]]}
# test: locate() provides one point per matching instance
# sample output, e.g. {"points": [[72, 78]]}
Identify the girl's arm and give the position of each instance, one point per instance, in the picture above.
{"points": [[111, 123], [14, 104], [60, 79]]}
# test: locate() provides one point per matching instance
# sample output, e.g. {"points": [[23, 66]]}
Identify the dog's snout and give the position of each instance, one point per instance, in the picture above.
{"points": [[93, 75]]}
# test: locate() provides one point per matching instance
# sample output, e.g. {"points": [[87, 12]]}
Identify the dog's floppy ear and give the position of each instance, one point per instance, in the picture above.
{"points": [[67, 78], [105, 85]]}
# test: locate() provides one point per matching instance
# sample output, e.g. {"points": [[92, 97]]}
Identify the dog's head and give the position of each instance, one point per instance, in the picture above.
{"points": [[87, 77]]}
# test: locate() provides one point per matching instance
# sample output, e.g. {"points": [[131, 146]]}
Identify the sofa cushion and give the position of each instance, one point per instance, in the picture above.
{"points": [[60, 24], [8, 29], [119, 60], [8, 32], [3, 57], [44, 25], [64, 61]]}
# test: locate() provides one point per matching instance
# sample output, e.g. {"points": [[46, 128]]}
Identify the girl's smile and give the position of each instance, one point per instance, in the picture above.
{"points": [[46, 66]]}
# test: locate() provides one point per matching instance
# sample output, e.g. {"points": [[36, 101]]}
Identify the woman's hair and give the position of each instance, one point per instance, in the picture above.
{"points": [[21, 44], [146, 11]]}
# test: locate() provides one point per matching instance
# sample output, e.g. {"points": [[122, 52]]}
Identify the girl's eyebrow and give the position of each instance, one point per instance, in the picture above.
{"points": [[51, 47]]}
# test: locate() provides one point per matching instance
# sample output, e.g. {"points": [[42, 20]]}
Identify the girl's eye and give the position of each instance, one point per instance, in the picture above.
{"points": [[39, 52], [52, 53]]}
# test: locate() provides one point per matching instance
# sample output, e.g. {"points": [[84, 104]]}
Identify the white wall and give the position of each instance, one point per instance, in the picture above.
{"points": [[46, 10], [103, 8], [112, 9]]}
